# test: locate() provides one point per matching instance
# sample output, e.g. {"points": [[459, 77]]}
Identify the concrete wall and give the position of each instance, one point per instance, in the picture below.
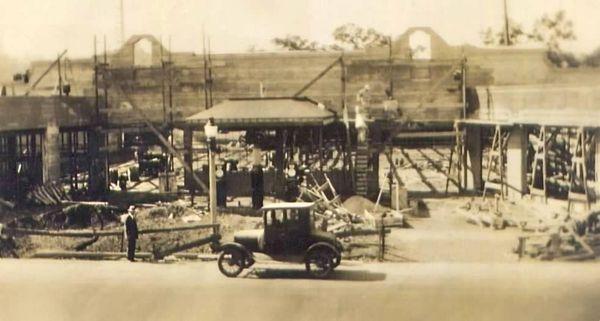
{"points": [[433, 97], [425, 89]]}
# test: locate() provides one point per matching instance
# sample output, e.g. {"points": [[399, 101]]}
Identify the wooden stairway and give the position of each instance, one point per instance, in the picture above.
{"points": [[361, 169]]}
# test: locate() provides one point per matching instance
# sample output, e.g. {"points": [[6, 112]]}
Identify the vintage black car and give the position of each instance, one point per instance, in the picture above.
{"points": [[289, 235], [152, 161]]}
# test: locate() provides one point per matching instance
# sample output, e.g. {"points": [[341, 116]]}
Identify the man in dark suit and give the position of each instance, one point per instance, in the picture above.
{"points": [[258, 186], [131, 233]]}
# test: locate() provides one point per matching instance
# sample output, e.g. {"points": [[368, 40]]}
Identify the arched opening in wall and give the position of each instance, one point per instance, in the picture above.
{"points": [[420, 45], [142, 53]]}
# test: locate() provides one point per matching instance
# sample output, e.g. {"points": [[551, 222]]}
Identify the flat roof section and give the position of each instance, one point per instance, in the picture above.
{"points": [[550, 105], [264, 113]]}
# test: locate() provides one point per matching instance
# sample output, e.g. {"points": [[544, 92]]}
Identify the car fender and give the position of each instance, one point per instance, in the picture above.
{"points": [[322, 245], [237, 246]]}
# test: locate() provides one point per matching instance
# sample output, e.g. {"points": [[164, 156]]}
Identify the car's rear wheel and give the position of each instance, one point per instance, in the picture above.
{"points": [[231, 262], [320, 262]]}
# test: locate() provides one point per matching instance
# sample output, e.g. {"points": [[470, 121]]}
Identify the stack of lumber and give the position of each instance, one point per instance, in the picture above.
{"points": [[51, 193]]}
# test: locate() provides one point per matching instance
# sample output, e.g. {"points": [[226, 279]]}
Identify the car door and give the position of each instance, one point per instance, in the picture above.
{"points": [[297, 234], [275, 231]]}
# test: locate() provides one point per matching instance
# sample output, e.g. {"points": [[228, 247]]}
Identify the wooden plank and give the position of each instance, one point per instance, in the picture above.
{"points": [[93, 233], [88, 255], [159, 254], [426, 134]]}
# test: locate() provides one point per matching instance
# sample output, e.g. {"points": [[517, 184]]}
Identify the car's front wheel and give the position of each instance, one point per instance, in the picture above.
{"points": [[231, 262], [320, 262]]}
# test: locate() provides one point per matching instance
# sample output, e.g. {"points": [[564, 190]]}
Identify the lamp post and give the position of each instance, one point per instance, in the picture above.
{"points": [[210, 130]]}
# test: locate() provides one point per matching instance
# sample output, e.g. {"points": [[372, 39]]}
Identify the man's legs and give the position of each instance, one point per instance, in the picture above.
{"points": [[131, 249]]}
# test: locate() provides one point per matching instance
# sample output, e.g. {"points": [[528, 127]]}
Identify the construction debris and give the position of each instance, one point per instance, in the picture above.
{"points": [[51, 193], [355, 216], [548, 233]]}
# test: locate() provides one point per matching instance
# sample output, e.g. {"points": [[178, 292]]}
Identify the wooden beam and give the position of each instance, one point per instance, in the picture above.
{"points": [[416, 168], [54, 63], [165, 142], [437, 167], [321, 74], [93, 233], [159, 254]]}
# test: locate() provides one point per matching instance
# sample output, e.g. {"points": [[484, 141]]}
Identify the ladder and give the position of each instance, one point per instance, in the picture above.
{"points": [[578, 187], [496, 158], [537, 188]]}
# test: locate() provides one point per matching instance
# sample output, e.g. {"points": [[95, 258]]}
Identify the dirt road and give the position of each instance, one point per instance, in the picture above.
{"points": [[85, 290]]}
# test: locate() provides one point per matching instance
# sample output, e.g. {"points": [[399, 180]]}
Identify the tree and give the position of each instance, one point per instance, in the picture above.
{"points": [[552, 30], [348, 36], [358, 37], [293, 42], [593, 59], [516, 33]]}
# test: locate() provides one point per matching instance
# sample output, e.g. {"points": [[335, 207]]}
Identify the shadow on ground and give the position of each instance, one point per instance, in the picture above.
{"points": [[342, 275]]}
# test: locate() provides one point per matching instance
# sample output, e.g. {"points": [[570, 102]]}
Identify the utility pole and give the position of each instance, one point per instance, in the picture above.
{"points": [[162, 65], [463, 72], [170, 70], [122, 22], [59, 78], [205, 65], [506, 26], [210, 80], [164, 107], [391, 67], [105, 77], [96, 100]]}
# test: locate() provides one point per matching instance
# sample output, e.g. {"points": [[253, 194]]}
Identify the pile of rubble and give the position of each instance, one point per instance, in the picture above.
{"points": [[355, 216], [548, 232]]}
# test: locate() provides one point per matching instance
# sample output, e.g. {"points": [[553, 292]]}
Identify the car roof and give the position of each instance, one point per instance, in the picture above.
{"points": [[287, 205]]}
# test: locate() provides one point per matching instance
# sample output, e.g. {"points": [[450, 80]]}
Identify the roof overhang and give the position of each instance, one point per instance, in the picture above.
{"points": [[248, 113]]}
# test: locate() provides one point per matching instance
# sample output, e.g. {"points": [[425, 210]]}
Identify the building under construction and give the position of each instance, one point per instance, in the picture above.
{"points": [[516, 124]]}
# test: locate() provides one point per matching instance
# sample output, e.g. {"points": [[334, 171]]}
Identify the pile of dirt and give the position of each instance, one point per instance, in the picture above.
{"points": [[358, 204]]}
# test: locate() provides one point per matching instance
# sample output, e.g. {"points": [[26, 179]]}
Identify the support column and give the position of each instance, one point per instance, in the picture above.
{"points": [[51, 154], [98, 163], [516, 160], [12, 177], [188, 157], [472, 158]]}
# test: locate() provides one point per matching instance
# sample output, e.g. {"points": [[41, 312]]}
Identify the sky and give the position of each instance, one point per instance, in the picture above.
{"points": [[40, 29]]}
